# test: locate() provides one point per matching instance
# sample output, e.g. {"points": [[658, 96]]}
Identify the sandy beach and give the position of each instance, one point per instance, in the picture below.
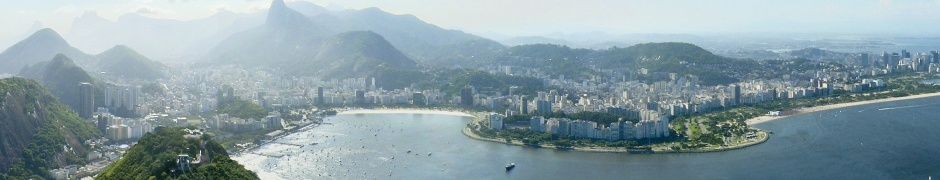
{"points": [[763, 119], [405, 111]]}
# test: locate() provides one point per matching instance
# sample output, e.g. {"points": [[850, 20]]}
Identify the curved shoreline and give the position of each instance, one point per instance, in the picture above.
{"points": [[763, 119], [764, 136]]}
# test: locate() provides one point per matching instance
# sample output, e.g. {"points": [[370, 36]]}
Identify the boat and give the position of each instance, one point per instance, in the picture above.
{"points": [[429, 153], [409, 151], [510, 166]]}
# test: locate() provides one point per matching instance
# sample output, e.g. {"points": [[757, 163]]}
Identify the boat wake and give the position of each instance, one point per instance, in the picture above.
{"points": [[905, 107]]}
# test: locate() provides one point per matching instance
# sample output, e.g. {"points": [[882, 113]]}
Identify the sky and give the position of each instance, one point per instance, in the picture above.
{"points": [[540, 17]]}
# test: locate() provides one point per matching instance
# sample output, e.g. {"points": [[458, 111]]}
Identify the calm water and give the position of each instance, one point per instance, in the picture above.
{"points": [[895, 140]]}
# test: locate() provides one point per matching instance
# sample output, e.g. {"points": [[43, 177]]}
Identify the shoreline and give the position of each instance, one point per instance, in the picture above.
{"points": [[405, 111], [763, 135], [765, 118]]}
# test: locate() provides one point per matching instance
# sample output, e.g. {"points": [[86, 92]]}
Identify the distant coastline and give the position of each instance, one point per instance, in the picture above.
{"points": [[765, 118]]}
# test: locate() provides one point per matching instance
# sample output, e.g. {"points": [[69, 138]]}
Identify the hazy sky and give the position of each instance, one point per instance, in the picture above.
{"points": [[539, 17]]}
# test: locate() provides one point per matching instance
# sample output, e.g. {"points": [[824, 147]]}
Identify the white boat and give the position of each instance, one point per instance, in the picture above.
{"points": [[510, 166]]}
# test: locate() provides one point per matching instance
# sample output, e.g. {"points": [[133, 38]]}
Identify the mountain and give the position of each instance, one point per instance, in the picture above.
{"points": [[155, 157], [161, 39], [286, 37], [419, 40], [41, 46], [308, 9], [38, 132], [122, 61], [358, 52], [61, 77], [523, 40], [680, 58], [291, 41], [427, 44]]}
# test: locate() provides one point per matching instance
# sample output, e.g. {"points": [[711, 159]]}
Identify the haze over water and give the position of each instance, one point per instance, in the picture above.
{"points": [[892, 140]]}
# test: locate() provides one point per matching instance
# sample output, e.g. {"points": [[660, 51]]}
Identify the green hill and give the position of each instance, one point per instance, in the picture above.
{"points": [[680, 58], [37, 132], [122, 61], [41, 46], [155, 157], [61, 77], [353, 54]]}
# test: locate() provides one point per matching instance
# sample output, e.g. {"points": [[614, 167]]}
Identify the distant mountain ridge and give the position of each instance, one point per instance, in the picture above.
{"points": [[670, 57], [41, 46], [359, 52], [162, 39], [291, 41], [426, 43], [122, 61]]}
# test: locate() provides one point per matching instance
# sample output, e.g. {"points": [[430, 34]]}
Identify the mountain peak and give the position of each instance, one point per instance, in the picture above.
{"points": [[62, 59], [121, 48], [280, 15], [46, 35], [122, 61]]}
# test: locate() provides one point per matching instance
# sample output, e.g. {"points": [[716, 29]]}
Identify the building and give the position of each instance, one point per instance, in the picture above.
{"points": [[418, 99], [104, 121], [466, 96], [864, 60], [273, 120], [496, 121], [736, 94], [523, 106], [537, 124], [320, 96], [543, 107], [87, 104], [360, 97], [259, 96]]}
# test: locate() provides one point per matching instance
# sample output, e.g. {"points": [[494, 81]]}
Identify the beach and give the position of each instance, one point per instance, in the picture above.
{"points": [[406, 111], [765, 118]]}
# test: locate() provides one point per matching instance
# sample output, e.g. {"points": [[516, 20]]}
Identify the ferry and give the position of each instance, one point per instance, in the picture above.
{"points": [[510, 166]]}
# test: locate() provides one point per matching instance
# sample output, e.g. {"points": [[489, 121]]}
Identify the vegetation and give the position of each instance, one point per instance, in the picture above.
{"points": [[61, 77], [152, 88], [229, 104], [680, 58], [554, 59], [35, 127], [155, 157]]}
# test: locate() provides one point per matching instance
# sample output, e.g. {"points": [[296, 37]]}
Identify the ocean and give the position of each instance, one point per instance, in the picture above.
{"points": [[891, 140]]}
